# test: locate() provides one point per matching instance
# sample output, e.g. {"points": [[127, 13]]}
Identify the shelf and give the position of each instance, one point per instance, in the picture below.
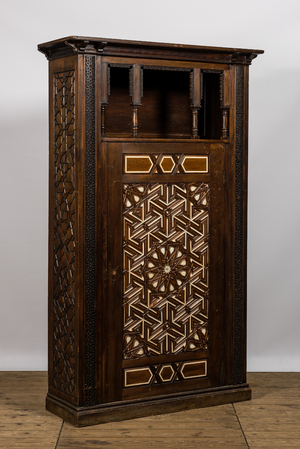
{"points": [[161, 102]]}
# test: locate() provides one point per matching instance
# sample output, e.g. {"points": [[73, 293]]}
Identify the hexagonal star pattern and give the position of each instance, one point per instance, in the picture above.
{"points": [[165, 268]]}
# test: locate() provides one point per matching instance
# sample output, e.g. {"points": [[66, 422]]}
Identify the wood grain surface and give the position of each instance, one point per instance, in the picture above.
{"points": [[149, 261], [270, 420]]}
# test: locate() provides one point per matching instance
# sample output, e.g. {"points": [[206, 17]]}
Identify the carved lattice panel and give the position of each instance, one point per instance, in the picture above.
{"points": [[165, 268], [64, 233]]}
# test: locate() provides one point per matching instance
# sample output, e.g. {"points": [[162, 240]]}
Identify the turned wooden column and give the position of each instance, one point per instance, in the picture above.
{"points": [[105, 91], [136, 76], [224, 104], [196, 88]]}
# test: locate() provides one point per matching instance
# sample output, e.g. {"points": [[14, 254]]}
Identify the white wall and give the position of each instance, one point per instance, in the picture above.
{"points": [[274, 183]]}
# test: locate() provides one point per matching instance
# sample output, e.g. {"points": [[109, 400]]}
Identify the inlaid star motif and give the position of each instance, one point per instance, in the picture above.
{"points": [[166, 268]]}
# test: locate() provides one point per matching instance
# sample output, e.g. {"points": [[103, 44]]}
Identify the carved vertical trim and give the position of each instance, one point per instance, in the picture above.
{"points": [[136, 84], [222, 88], [105, 92], [224, 108], [239, 224], [196, 88], [90, 246]]}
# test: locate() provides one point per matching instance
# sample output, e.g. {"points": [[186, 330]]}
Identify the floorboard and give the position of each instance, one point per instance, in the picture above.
{"points": [[269, 420]]}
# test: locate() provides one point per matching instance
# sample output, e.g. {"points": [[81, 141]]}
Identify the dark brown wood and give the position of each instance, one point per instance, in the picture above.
{"points": [[135, 122], [64, 223], [271, 419], [105, 86], [147, 227], [136, 95], [196, 98], [136, 85], [229, 227], [114, 334], [195, 112], [129, 410], [225, 114], [115, 47], [157, 61], [101, 233]]}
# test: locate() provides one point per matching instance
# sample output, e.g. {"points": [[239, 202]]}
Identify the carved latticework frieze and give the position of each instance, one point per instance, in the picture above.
{"points": [[90, 249], [239, 228], [64, 233], [165, 268]]}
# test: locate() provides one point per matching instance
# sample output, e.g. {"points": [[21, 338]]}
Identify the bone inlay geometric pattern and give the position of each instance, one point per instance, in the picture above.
{"points": [[169, 372], [165, 268], [163, 163]]}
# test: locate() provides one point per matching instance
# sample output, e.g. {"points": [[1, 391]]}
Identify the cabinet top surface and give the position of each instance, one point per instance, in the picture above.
{"points": [[119, 47]]}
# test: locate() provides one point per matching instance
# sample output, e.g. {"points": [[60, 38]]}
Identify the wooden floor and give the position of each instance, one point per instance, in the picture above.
{"points": [[270, 420]]}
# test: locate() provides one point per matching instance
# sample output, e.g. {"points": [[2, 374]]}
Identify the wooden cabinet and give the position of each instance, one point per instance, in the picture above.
{"points": [[147, 227]]}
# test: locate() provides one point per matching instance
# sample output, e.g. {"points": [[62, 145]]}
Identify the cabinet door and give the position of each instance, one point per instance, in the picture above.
{"points": [[163, 305]]}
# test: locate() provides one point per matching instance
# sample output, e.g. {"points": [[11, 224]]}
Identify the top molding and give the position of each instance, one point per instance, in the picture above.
{"points": [[138, 49]]}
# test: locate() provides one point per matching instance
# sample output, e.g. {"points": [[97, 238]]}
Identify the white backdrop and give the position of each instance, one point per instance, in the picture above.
{"points": [[274, 181]]}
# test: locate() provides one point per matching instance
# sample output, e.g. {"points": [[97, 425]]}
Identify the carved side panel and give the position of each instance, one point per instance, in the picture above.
{"points": [[165, 268], [64, 233], [239, 226], [90, 248]]}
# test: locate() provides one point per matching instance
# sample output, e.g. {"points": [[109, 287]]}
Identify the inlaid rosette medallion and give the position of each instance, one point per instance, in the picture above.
{"points": [[165, 268]]}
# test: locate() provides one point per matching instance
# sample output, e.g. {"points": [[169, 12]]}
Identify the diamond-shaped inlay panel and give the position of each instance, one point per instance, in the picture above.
{"points": [[165, 268]]}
